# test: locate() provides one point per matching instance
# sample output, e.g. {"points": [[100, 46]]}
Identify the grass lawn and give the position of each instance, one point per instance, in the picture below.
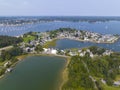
{"points": [[110, 87], [28, 38], [50, 44], [2, 63], [117, 78]]}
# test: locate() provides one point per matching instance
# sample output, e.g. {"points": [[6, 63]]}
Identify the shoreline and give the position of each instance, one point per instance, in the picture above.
{"points": [[89, 40], [64, 75]]}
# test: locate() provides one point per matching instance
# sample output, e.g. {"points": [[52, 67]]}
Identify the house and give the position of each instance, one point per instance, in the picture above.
{"points": [[116, 83], [45, 49], [72, 53], [91, 55], [79, 50], [7, 63], [27, 49], [103, 81], [53, 51], [107, 52], [82, 54], [32, 49], [8, 70]]}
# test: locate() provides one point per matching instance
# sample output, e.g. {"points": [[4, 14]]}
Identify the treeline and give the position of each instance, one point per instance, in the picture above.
{"points": [[82, 68], [97, 50], [8, 40], [10, 54], [78, 76]]}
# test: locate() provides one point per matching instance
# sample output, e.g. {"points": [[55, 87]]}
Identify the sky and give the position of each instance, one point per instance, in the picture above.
{"points": [[59, 7]]}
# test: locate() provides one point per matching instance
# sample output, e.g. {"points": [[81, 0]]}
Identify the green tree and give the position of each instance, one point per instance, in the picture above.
{"points": [[39, 48]]}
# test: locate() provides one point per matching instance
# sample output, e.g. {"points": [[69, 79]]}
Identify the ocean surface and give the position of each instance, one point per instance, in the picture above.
{"points": [[15, 26]]}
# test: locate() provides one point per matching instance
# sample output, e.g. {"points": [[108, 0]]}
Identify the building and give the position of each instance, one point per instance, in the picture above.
{"points": [[53, 51]]}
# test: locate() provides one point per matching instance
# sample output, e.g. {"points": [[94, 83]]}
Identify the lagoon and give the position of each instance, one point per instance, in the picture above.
{"points": [[35, 73]]}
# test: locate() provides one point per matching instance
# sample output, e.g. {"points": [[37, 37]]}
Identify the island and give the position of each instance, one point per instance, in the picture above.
{"points": [[88, 68]]}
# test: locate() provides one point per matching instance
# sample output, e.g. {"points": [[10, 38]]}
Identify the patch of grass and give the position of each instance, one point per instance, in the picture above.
{"points": [[106, 87], [28, 38], [50, 43], [117, 78], [2, 63]]}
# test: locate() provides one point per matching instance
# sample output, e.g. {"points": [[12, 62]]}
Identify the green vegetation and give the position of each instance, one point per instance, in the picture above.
{"points": [[29, 37], [54, 33], [10, 54], [39, 48], [50, 43], [8, 40], [106, 87], [78, 76], [83, 69], [97, 50]]}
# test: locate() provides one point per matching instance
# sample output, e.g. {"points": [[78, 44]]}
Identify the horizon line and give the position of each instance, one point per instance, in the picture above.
{"points": [[54, 16]]}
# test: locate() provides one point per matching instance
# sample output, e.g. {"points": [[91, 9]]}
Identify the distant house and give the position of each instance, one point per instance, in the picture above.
{"points": [[91, 54], [82, 54], [72, 53], [107, 52], [79, 50]]}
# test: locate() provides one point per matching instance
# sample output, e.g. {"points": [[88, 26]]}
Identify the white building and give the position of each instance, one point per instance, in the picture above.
{"points": [[117, 83], [45, 49], [53, 51]]}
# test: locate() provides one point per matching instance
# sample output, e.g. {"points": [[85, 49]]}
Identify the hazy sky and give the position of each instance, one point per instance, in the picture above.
{"points": [[60, 7]]}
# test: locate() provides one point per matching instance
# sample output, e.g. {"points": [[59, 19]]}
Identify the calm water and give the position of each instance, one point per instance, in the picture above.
{"points": [[111, 27], [35, 73], [66, 44]]}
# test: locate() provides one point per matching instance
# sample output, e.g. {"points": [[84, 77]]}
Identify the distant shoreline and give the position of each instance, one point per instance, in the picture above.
{"points": [[91, 41]]}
